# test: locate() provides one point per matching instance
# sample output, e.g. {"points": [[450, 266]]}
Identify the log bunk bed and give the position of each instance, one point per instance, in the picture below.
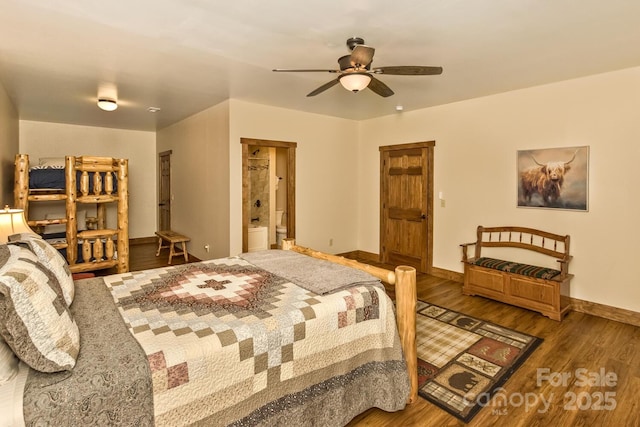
{"points": [[88, 180], [270, 338]]}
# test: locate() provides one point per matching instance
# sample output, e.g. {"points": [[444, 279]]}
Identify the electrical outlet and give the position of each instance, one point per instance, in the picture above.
{"points": [[330, 242], [206, 247]]}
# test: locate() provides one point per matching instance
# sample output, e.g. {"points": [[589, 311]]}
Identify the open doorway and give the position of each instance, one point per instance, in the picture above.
{"points": [[268, 192]]}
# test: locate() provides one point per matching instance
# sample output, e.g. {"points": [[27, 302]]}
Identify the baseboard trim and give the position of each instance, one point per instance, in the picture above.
{"points": [[361, 255], [581, 306], [605, 311], [587, 307], [143, 240], [447, 274]]}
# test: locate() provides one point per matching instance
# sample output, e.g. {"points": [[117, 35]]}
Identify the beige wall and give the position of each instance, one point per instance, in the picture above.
{"points": [[338, 172], [41, 139], [8, 146], [326, 175], [207, 175], [475, 167], [200, 179]]}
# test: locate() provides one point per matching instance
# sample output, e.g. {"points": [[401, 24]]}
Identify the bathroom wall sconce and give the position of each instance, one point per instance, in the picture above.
{"points": [[107, 104]]}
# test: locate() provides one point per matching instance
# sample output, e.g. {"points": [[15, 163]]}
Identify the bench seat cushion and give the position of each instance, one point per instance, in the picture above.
{"points": [[514, 267]]}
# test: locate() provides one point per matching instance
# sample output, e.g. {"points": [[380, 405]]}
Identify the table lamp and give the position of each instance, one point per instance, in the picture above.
{"points": [[12, 222]]}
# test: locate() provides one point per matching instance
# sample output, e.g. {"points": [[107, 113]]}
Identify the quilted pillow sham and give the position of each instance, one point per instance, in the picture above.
{"points": [[51, 259], [34, 318]]}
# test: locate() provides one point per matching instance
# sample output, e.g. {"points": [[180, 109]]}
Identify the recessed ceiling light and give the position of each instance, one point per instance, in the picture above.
{"points": [[107, 104], [399, 108], [153, 109]]}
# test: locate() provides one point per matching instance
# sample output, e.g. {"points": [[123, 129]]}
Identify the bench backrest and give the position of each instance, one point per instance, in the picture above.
{"points": [[543, 242]]}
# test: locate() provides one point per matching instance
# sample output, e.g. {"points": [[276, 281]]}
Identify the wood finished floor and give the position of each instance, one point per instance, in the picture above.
{"points": [[580, 341]]}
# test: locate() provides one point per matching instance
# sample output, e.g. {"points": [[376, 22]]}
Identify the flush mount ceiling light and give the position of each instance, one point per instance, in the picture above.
{"points": [[107, 104], [355, 82]]}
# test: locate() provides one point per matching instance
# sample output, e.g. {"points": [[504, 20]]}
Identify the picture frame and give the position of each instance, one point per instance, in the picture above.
{"points": [[553, 178]]}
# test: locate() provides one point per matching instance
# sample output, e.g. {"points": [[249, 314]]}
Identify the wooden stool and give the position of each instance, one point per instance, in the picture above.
{"points": [[172, 237]]}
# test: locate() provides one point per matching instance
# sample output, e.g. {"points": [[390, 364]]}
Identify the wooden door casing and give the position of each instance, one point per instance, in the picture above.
{"points": [[406, 204], [290, 182]]}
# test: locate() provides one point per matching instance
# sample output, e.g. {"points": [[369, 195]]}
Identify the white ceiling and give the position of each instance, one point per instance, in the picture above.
{"points": [[186, 55]]}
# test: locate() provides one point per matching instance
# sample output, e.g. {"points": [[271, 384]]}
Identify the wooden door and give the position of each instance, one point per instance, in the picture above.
{"points": [[164, 205], [406, 205]]}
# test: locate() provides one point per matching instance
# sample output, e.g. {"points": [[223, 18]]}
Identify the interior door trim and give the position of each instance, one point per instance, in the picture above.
{"points": [[291, 185]]}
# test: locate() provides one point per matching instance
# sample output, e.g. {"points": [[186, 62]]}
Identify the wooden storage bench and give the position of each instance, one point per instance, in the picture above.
{"points": [[528, 286]]}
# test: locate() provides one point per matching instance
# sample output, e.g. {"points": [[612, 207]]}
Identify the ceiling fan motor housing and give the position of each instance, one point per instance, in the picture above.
{"points": [[353, 42]]}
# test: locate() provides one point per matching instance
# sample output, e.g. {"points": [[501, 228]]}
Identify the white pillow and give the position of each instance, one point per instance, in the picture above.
{"points": [[81, 218], [52, 162], [54, 228], [8, 362]]}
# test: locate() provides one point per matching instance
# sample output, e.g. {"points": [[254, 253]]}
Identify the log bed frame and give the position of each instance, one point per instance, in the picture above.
{"points": [[404, 280]]}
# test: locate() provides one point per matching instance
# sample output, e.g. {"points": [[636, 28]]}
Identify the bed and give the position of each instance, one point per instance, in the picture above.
{"points": [[269, 338]]}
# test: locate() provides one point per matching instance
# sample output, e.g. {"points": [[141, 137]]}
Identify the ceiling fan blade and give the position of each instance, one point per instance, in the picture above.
{"points": [[380, 88], [408, 70], [324, 87], [362, 56], [289, 70]]}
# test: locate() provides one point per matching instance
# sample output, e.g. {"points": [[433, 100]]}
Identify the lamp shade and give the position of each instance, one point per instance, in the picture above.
{"points": [[107, 104], [12, 222], [355, 82]]}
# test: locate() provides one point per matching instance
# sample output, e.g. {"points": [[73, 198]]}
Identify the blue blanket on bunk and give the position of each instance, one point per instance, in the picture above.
{"points": [[55, 178], [56, 237]]}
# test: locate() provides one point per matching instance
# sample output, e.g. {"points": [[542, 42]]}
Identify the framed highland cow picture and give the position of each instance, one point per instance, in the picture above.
{"points": [[554, 178]]}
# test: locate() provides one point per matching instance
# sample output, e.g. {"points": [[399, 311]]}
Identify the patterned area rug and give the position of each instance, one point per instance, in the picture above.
{"points": [[462, 361]]}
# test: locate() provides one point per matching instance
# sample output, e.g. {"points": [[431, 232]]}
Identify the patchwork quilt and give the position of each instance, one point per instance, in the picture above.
{"points": [[229, 343]]}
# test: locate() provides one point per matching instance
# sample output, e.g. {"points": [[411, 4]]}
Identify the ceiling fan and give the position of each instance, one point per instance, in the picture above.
{"points": [[355, 71]]}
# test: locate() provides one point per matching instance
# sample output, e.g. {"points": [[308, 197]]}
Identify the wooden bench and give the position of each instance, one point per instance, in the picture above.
{"points": [[172, 238], [528, 286]]}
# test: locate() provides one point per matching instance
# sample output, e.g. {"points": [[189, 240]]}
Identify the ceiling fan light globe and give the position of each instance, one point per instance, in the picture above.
{"points": [[355, 82]]}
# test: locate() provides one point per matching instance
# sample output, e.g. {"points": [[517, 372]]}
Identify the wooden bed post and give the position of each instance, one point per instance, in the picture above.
{"points": [[21, 187], [70, 209], [123, 217], [404, 280], [406, 297]]}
